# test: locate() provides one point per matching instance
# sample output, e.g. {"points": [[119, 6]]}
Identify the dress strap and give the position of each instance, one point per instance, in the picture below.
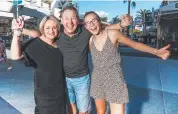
{"points": [[92, 42], [107, 34]]}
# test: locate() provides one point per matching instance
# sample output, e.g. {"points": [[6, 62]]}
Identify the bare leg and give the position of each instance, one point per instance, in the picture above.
{"points": [[83, 112], [72, 109], [100, 106], [117, 108], [8, 63]]}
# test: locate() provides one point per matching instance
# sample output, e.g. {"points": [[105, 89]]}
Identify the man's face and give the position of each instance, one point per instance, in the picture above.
{"points": [[70, 21], [92, 23]]}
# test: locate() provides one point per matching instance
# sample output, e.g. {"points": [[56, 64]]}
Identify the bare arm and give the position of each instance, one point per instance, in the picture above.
{"points": [[162, 53], [135, 45], [113, 26], [18, 24], [31, 33], [15, 47], [126, 20]]}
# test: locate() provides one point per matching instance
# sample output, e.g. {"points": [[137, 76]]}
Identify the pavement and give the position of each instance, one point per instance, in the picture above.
{"points": [[152, 85], [16, 88]]}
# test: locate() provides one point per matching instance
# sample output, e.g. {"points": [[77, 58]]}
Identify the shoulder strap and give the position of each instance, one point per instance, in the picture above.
{"points": [[92, 41], [107, 34]]}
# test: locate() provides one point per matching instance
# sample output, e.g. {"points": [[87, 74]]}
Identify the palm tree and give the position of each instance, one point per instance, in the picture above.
{"points": [[142, 14], [104, 19], [130, 3], [164, 3], [115, 19]]}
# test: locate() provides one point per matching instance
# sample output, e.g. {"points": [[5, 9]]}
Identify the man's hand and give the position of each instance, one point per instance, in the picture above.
{"points": [[163, 53], [126, 20]]}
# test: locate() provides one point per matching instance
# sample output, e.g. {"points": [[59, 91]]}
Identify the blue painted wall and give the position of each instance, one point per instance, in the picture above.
{"points": [[153, 85]]}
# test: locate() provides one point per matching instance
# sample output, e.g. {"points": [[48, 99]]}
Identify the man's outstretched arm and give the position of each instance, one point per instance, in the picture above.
{"points": [[31, 33], [126, 20], [20, 26]]}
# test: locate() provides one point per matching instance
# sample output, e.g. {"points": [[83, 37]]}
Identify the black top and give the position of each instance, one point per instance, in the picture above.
{"points": [[75, 52], [49, 79]]}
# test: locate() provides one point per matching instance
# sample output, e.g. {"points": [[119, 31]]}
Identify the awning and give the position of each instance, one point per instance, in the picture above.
{"points": [[6, 14], [28, 11], [6, 6], [169, 7]]}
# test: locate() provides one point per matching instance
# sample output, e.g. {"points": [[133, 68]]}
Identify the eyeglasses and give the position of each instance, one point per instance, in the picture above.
{"points": [[95, 20]]}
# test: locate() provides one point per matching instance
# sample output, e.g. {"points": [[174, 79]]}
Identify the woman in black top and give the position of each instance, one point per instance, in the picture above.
{"points": [[43, 54]]}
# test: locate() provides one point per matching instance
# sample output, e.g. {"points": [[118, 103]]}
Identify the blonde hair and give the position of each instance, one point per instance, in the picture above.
{"points": [[45, 19]]}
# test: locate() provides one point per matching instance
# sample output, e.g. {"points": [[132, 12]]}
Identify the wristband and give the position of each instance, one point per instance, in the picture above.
{"points": [[19, 29], [17, 33]]}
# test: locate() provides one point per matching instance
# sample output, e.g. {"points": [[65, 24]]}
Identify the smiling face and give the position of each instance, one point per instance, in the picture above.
{"points": [[51, 29], [92, 23], [70, 21]]}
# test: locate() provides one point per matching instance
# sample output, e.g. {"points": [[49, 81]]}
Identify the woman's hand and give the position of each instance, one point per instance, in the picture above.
{"points": [[163, 53], [17, 24]]}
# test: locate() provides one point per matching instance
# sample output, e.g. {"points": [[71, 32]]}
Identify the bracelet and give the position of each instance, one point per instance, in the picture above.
{"points": [[20, 29], [18, 33]]}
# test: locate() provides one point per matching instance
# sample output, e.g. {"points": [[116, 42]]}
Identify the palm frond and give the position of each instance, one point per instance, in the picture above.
{"points": [[133, 4], [125, 1]]}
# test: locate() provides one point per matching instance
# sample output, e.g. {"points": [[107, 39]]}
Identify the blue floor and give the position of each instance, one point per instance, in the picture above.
{"points": [[6, 108], [16, 88], [152, 85]]}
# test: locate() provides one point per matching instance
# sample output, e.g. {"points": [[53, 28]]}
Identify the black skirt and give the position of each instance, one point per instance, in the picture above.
{"points": [[50, 102]]}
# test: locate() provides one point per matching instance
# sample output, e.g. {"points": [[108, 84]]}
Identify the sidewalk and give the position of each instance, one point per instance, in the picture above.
{"points": [[16, 87]]}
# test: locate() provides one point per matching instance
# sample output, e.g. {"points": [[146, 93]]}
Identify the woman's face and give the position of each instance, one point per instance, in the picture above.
{"points": [[51, 29], [92, 24]]}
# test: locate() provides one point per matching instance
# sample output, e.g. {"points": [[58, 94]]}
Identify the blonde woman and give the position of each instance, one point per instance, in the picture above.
{"points": [[45, 57]]}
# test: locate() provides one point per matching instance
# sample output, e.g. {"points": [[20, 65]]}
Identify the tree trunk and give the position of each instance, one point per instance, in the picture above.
{"points": [[144, 24], [129, 2]]}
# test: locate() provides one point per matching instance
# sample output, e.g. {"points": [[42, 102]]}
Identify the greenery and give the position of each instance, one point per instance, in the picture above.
{"points": [[130, 3], [115, 19], [145, 16], [104, 19]]}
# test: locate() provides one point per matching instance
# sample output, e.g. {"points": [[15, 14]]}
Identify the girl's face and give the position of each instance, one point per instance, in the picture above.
{"points": [[92, 24], [51, 29]]}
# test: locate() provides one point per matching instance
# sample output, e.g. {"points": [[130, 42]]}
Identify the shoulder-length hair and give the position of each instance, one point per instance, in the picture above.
{"points": [[45, 19]]}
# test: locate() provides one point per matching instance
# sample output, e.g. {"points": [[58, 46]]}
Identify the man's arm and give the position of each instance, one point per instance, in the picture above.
{"points": [[126, 20], [116, 26], [31, 33], [18, 24]]}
